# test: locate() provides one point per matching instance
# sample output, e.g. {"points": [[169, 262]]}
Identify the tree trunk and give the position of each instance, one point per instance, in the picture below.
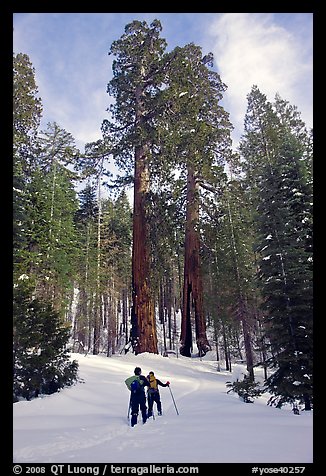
{"points": [[192, 290], [143, 332], [226, 349], [216, 346], [125, 314], [244, 315], [98, 297], [168, 306], [248, 349]]}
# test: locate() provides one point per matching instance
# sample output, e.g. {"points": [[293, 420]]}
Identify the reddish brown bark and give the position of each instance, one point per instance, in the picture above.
{"points": [[192, 289], [143, 332]]}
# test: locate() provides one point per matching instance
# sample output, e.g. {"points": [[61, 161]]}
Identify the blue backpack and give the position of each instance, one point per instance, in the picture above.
{"points": [[135, 386]]}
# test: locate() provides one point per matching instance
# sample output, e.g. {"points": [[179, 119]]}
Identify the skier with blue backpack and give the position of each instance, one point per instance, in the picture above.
{"points": [[136, 384]]}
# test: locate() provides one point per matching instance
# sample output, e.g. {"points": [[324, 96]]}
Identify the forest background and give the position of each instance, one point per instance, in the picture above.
{"points": [[224, 236]]}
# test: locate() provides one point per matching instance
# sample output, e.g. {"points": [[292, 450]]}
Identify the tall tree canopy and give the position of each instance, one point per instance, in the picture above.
{"points": [[27, 112], [198, 141], [277, 161], [138, 74]]}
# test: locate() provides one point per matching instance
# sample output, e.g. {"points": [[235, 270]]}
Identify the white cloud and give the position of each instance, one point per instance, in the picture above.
{"points": [[69, 53], [72, 69], [250, 48], [82, 117]]}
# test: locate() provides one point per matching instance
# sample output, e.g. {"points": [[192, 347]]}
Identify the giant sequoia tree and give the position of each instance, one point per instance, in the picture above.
{"points": [[200, 139], [138, 74]]}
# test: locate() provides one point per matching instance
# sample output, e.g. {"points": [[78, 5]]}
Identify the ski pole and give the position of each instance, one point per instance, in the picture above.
{"points": [[173, 400], [129, 408]]}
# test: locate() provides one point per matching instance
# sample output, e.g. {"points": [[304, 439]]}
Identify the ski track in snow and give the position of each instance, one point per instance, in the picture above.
{"points": [[87, 423]]}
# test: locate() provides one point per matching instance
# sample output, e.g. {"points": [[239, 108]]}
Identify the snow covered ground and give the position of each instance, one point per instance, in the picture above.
{"points": [[87, 423]]}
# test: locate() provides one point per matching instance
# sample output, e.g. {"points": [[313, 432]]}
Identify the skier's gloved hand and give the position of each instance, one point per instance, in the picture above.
{"points": [[167, 383]]}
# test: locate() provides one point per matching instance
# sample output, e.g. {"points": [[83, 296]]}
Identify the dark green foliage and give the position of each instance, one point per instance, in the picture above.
{"points": [[287, 286], [277, 161], [44, 203], [137, 86], [27, 111], [117, 234], [41, 360], [246, 389], [88, 208], [51, 232]]}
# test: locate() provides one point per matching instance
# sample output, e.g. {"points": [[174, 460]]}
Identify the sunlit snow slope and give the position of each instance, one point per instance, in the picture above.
{"points": [[87, 423]]}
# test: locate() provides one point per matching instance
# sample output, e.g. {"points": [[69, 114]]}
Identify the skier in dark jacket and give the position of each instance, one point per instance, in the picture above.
{"points": [[153, 393], [136, 384]]}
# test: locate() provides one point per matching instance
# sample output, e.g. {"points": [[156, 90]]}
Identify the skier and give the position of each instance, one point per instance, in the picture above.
{"points": [[153, 393], [136, 384]]}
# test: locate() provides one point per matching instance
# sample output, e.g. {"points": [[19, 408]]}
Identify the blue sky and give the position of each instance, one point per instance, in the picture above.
{"points": [[69, 52]]}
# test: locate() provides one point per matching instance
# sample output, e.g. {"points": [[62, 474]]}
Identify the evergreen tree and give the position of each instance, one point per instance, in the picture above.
{"points": [[276, 160], [116, 259], [138, 75], [50, 234], [86, 224], [40, 337], [166, 218], [197, 138], [27, 111], [41, 360], [229, 267]]}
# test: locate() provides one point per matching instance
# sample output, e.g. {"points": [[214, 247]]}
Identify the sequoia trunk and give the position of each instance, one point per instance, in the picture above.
{"points": [[192, 289], [143, 332]]}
